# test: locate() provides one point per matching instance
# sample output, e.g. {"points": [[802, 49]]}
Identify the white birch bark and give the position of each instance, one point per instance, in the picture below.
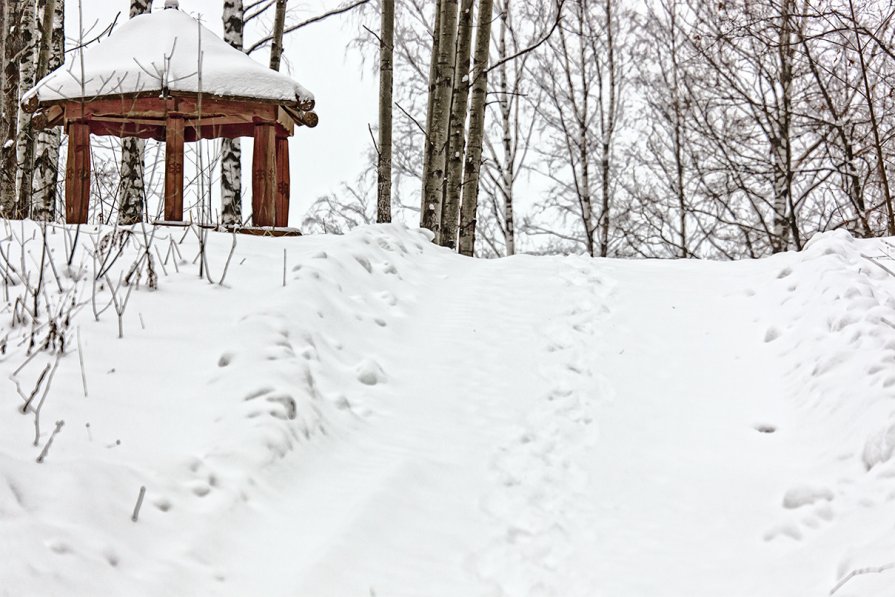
{"points": [[450, 214], [473, 163], [46, 154], [231, 149], [8, 109], [439, 121], [386, 76], [25, 138], [132, 193]]}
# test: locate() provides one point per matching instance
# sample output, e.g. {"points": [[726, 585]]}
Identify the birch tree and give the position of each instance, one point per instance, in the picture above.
{"points": [[438, 119], [386, 74], [473, 161], [456, 147], [12, 38], [46, 160], [511, 135], [132, 190], [665, 192], [231, 149], [279, 28], [582, 77], [750, 123], [27, 67]]}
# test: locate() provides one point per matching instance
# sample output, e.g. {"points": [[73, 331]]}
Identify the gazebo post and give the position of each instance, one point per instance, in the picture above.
{"points": [[174, 131], [264, 166], [283, 183], [77, 173]]}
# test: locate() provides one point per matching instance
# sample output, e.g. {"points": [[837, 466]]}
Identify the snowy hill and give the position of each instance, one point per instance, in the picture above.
{"points": [[391, 419]]}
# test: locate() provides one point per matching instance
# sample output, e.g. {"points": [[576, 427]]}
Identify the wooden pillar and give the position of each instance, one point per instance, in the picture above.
{"points": [[174, 169], [283, 182], [264, 166], [77, 174]]}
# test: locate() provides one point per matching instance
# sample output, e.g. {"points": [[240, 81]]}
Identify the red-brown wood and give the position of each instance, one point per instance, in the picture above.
{"points": [[283, 183], [161, 108], [264, 167], [77, 174], [174, 170]]}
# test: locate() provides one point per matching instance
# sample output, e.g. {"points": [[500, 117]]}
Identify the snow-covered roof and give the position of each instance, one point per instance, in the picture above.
{"points": [[158, 51]]}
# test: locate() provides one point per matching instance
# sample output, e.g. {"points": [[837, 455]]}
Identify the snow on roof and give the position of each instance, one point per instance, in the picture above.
{"points": [[160, 51]]}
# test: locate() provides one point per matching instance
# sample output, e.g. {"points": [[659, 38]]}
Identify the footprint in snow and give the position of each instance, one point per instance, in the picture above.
{"points": [[806, 495], [765, 428], [369, 373]]}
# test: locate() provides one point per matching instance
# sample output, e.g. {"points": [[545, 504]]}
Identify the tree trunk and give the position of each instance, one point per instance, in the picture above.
{"points": [[279, 26], [677, 113], [434, 177], [25, 138], [4, 33], [386, 72], [46, 161], [608, 130], [132, 190], [581, 142], [12, 37], [450, 213], [508, 168], [231, 149], [781, 147], [473, 163], [428, 147]]}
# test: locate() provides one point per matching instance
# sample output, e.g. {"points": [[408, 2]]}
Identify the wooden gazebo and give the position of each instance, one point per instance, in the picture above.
{"points": [[164, 76]]}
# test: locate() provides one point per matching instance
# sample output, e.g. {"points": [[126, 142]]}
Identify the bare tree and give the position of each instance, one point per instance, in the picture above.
{"points": [[581, 76], [511, 136], [386, 76], [874, 122], [665, 194]]}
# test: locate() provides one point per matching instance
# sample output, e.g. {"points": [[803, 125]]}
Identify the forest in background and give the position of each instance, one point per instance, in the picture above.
{"points": [[665, 128], [653, 128]]}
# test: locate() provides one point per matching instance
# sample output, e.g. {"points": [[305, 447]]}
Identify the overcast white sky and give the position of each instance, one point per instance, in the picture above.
{"points": [[317, 57]]}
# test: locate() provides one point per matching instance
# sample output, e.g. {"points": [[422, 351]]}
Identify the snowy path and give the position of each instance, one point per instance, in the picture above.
{"points": [[589, 447]]}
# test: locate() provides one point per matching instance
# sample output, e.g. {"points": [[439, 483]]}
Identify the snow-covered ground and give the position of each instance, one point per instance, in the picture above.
{"points": [[399, 421]]}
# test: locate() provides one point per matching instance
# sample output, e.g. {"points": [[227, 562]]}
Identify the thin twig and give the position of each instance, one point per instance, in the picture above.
{"points": [[43, 453], [139, 503], [81, 360], [859, 572], [336, 11]]}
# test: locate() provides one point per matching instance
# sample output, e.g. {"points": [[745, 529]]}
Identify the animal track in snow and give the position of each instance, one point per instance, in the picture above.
{"points": [[539, 481], [369, 373], [806, 495]]}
